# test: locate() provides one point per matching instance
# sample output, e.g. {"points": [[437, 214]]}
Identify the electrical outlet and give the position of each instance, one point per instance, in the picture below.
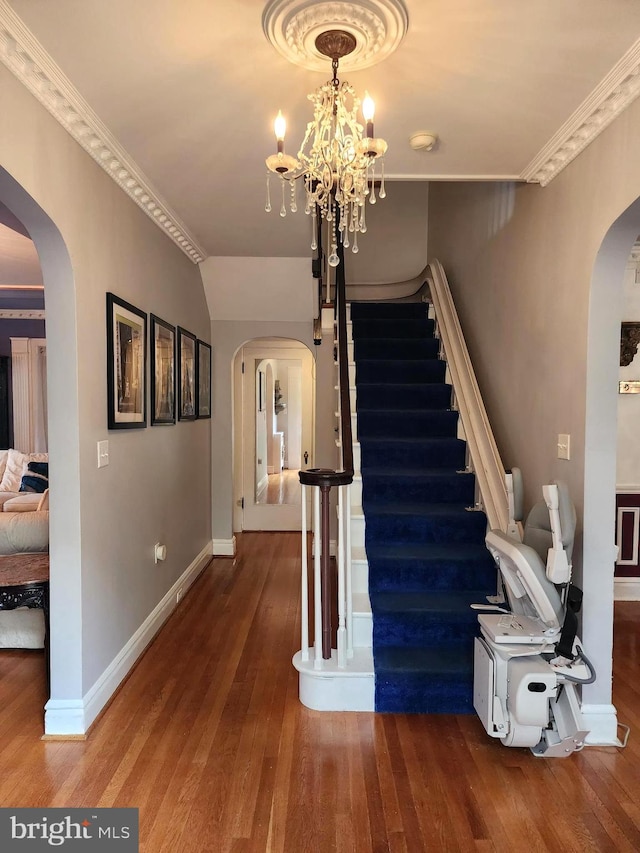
{"points": [[179, 595]]}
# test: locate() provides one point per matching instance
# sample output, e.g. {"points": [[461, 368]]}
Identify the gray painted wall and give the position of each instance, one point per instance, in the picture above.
{"points": [[540, 304], [104, 523]]}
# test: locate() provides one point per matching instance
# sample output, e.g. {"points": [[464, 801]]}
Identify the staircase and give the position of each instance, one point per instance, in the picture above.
{"points": [[425, 550]]}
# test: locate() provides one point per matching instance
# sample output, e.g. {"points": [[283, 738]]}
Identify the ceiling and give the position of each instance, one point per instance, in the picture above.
{"points": [[190, 90]]}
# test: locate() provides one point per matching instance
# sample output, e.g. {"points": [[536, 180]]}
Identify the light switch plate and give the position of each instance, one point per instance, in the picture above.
{"points": [[103, 453], [564, 446]]}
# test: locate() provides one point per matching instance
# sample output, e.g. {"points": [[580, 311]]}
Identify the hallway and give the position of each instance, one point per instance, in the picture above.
{"points": [[207, 738]]}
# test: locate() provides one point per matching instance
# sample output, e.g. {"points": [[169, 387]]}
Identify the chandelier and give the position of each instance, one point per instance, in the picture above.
{"points": [[337, 158]]}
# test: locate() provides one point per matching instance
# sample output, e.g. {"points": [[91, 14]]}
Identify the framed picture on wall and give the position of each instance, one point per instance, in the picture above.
{"points": [[126, 365], [163, 372], [204, 380], [186, 375]]}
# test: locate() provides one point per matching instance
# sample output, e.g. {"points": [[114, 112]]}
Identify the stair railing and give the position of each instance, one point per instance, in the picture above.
{"points": [[485, 457], [322, 480]]}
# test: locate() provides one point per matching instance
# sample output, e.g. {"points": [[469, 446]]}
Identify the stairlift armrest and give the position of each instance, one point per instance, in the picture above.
{"points": [[558, 568]]}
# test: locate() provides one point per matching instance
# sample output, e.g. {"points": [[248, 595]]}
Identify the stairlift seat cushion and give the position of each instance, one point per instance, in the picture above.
{"points": [[524, 571]]}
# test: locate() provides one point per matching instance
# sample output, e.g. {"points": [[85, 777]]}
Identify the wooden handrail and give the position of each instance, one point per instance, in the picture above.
{"points": [[483, 449]]}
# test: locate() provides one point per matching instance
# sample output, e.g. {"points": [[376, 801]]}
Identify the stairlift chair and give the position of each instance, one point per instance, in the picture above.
{"points": [[528, 661]]}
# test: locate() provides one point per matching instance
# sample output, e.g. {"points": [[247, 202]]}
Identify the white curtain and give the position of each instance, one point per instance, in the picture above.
{"points": [[40, 437]]}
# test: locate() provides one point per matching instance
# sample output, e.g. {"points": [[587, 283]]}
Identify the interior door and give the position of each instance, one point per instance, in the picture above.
{"points": [[263, 360]]}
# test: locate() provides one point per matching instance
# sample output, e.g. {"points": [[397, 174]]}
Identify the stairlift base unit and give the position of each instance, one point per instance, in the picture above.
{"points": [[523, 699]]}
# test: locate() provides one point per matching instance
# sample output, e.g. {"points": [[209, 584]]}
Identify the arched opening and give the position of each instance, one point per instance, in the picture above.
{"points": [[603, 347], [63, 443], [273, 427]]}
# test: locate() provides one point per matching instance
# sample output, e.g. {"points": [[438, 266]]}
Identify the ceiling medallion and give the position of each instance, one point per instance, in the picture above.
{"points": [[293, 27]]}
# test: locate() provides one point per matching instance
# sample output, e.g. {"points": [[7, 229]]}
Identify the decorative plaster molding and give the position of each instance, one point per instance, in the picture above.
{"points": [[15, 314], [25, 57], [292, 27], [619, 88]]}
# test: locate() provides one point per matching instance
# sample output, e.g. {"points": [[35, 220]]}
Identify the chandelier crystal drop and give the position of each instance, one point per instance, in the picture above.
{"points": [[337, 156]]}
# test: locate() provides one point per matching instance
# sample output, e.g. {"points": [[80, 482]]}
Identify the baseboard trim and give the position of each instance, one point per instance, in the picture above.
{"points": [[626, 589], [224, 547], [65, 717], [602, 722]]}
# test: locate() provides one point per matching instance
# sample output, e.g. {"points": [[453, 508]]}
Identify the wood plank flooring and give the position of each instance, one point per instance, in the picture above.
{"points": [[207, 738], [283, 488]]}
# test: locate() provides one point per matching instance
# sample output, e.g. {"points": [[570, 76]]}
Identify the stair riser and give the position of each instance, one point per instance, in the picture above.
{"points": [[408, 629], [414, 455], [465, 527], [406, 349], [433, 395], [362, 630], [387, 311], [399, 576], [359, 576], [357, 532], [432, 424], [457, 488], [400, 372], [402, 328], [417, 694]]}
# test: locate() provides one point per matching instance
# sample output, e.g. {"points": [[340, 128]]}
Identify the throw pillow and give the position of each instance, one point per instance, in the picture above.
{"points": [[36, 478], [16, 462]]}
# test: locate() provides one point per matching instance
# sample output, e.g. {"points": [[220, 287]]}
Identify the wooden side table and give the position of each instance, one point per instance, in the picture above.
{"points": [[24, 582]]}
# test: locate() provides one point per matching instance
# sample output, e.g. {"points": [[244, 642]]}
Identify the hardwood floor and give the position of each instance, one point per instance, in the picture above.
{"points": [[207, 738], [283, 488]]}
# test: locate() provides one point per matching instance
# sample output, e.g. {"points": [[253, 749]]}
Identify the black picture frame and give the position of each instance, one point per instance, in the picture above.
{"points": [[203, 379], [187, 410], [126, 365], [163, 371]]}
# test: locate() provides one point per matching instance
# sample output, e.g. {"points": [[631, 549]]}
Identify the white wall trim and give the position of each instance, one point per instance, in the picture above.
{"points": [[74, 716], [602, 722], [224, 547], [626, 589], [25, 57], [611, 96]]}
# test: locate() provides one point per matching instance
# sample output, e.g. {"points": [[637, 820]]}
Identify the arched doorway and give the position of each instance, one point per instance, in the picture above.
{"points": [[62, 404], [274, 399], [603, 347]]}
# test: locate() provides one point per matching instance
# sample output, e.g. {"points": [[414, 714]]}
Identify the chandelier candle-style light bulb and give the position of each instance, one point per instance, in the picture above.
{"points": [[337, 156], [280, 127], [368, 111]]}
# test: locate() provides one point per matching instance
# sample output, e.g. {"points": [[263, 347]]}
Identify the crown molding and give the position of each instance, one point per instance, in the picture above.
{"points": [[25, 57], [617, 90], [28, 314]]}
